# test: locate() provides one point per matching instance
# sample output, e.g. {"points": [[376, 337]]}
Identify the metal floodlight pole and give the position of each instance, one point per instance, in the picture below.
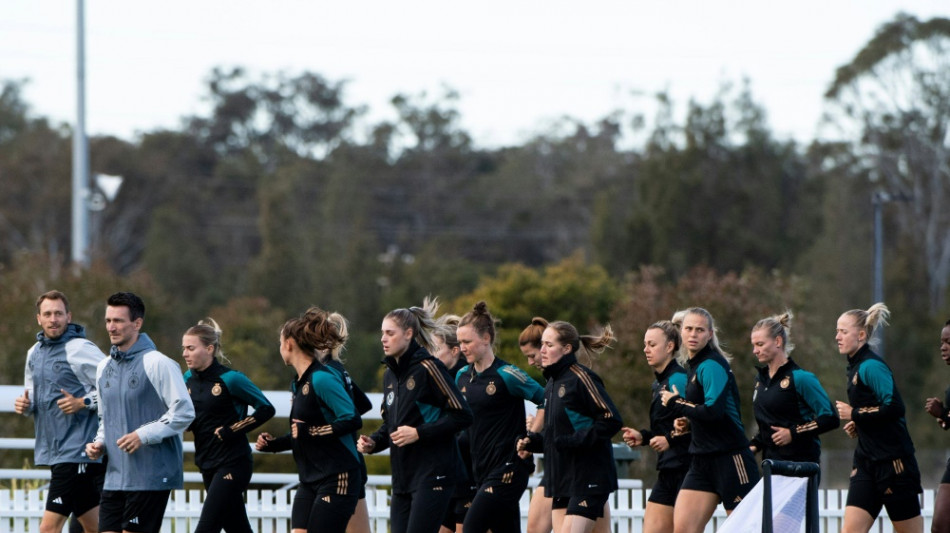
{"points": [[80, 226], [878, 199]]}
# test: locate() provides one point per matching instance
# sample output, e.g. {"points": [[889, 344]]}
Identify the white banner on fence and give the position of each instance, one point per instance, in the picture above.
{"points": [[788, 507]]}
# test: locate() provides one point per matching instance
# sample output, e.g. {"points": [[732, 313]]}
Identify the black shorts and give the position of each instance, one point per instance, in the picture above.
{"points": [[74, 488], [946, 474], [892, 484], [455, 515], [590, 506], [729, 475], [328, 503], [667, 486], [365, 475], [141, 511]]}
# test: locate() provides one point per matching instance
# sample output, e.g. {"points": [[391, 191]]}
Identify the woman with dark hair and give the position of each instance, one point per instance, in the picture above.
{"points": [[580, 420], [722, 468], [422, 412], [660, 345], [791, 406], [884, 471], [322, 420], [940, 410], [221, 396], [496, 392]]}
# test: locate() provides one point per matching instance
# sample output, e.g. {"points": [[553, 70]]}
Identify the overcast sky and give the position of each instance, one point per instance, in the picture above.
{"points": [[518, 65]]}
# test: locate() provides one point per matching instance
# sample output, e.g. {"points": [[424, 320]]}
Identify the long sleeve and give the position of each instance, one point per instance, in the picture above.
{"points": [[823, 415], [165, 376], [344, 419], [878, 377], [84, 357], [246, 391], [713, 379], [28, 382], [596, 407], [456, 414]]}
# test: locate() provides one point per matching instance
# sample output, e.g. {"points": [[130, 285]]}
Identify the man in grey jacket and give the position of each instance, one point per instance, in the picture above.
{"points": [[60, 393], [144, 408]]}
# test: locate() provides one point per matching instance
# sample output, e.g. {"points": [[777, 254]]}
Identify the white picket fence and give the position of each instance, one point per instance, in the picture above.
{"points": [[269, 510]]}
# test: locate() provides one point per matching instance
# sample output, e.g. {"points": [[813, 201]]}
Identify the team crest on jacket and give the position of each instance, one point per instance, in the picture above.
{"points": [[410, 383], [133, 381], [785, 382], [306, 389], [491, 389], [561, 391], [216, 390], [389, 398]]}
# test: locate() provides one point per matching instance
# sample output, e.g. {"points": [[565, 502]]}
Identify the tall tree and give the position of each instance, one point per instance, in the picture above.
{"points": [[892, 102]]}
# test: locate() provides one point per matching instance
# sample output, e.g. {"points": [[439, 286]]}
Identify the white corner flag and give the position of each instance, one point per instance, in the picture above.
{"points": [[788, 507]]}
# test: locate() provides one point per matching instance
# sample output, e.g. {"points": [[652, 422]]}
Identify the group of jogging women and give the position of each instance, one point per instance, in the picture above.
{"points": [[461, 442]]}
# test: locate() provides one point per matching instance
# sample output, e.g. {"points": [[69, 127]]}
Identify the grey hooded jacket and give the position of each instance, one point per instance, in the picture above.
{"points": [[52, 366], [142, 390]]}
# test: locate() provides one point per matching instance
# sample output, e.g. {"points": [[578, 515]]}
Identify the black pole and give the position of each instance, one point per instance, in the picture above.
{"points": [[790, 469], [767, 496]]}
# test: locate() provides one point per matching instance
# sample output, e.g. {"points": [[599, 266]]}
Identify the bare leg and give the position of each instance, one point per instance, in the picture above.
{"points": [[658, 518], [911, 525], [559, 520], [856, 520], [602, 525], [359, 522], [90, 520], [693, 510], [53, 522], [941, 521], [539, 512], [580, 524]]}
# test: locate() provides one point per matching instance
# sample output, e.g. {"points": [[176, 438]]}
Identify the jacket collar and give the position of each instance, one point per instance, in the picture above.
{"points": [[671, 367], [73, 331], [558, 368], [864, 352], [413, 354], [703, 354], [143, 344]]}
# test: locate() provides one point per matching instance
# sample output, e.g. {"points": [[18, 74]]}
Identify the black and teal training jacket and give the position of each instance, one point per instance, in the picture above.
{"points": [[711, 402], [222, 396], [322, 421], [661, 420], [579, 421], [496, 396], [794, 399], [877, 408], [418, 392]]}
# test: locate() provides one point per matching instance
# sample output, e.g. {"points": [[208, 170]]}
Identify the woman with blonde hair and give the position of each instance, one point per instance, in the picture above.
{"points": [[221, 396], [884, 471], [422, 412], [661, 343], [791, 407], [722, 467]]}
